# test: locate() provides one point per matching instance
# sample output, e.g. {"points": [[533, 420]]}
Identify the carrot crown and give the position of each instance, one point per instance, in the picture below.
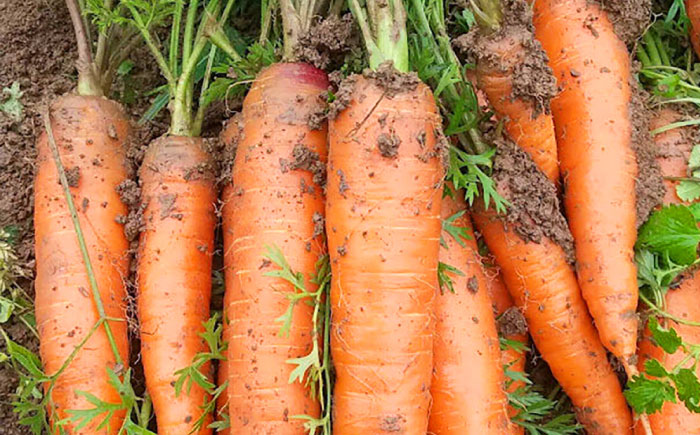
{"points": [[383, 26], [115, 41], [202, 25], [488, 14]]}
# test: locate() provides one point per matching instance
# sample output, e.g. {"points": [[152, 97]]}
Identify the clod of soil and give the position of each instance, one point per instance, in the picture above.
{"points": [[391, 80], [512, 322], [319, 224], [533, 79], [649, 185], [343, 96], [327, 41], [630, 17], [306, 159], [388, 144], [534, 204], [73, 176]]}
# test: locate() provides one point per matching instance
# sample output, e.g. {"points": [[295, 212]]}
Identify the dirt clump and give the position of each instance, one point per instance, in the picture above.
{"points": [[73, 176], [512, 322], [649, 187], [534, 205], [343, 96], [630, 18], [388, 144], [327, 41], [391, 80]]}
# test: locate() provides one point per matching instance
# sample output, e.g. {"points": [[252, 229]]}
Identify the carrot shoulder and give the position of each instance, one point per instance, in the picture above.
{"points": [[383, 228], [467, 358], [598, 164], [174, 275], [91, 134], [277, 202]]}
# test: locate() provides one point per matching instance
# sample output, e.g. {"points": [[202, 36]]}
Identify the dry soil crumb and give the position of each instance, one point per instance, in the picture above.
{"points": [[306, 159], [629, 17], [388, 144], [512, 322], [319, 224], [649, 185], [391, 80], [392, 423], [327, 42], [343, 96], [534, 204], [73, 176]]}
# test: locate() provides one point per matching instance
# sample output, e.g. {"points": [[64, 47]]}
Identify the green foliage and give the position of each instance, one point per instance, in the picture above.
{"points": [[313, 369], [689, 189], [471, 172], [444, 279], [10, 102], [193, 374], [459, 234], [673, 231]]}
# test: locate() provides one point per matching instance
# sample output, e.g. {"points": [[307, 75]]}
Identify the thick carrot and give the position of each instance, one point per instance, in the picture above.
{"points": [[508, 317], [598, 164], [174, 272], [466, 354], [673, 148], [91, 134], [277, 203], [383, 227], [501, 48], [693, 10], [544, 287]]}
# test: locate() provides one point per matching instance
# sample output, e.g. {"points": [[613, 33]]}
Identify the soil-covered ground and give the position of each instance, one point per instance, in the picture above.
{"points": [[38, 52]]}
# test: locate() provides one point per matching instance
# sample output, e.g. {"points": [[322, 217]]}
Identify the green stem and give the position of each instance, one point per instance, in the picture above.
{"points": [[675, 125], [219, 38], [201, 107], [175, 36], [189, 31], [650, 45], [693, 179], [88, 82], [488, 14], [102, 40], [291, 28], [266, 20], [79, 235], [643, 56], [155, 51], [666, 314], [383, 25], [181, 119]]}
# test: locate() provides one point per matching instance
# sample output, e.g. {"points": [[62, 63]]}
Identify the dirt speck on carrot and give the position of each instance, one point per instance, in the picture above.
{"points": [[392, 423], [306, 159], [73, 176], [535, 207], [392, 81], [343, 96], [629, 17], [388, 144], [512, 322], [649, 186], [319, 224]]}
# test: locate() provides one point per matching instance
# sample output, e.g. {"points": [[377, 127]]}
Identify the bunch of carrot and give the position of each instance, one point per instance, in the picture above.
{"points": [[346, 234]]}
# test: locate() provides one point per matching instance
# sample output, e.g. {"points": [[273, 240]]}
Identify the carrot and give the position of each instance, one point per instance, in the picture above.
{"points": [[466, 354], [693, 10], [81, 264], [505, 310], [177, 241], [673, 148], [598, 164], [501, 46], [91, 133], [544, 288], [274, 204]]}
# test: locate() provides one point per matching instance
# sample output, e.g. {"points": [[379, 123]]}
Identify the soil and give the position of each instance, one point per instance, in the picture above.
{"points": [[309, 160], [388, 144], [649, 185], [512, 322], [328, 41], [629, 17], [532, 78], [391, 80], [534, 204]]}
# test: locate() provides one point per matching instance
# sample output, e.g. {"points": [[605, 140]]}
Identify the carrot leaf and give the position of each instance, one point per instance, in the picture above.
{"points": [[672, 230], [647, 395], [459, 234], [444, 271], [689, 189], [12, 106], [667, 339]]}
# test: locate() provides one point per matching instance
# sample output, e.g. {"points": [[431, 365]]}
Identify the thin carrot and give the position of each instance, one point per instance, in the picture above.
{"points": [[503, 44], [466, 354], [87, 135], [508, 318], [177, 240], [673, 148], [598, 164], [277, 202], [543, 285], [692, 8], [91, 133]]}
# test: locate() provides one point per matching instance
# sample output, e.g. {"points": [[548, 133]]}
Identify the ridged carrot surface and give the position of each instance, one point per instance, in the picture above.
{"points": [[673, 148], [529, 127], [383, 229], [174, 274], [278, 204], [693, 10], [91, 134], [544, 287], [468, 381], [598, 165]]}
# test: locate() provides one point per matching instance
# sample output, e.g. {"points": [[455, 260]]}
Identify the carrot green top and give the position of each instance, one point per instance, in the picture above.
{"points": [[383, 25]]}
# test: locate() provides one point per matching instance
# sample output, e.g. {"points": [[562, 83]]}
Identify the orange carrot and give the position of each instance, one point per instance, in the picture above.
{"points": [[693, 10], [673, 148], [502, 46], [537, 273], [383, 226], [509, 317], [598, 164], [174, 272], [466, 354], [91, 134], [277, 202]]}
